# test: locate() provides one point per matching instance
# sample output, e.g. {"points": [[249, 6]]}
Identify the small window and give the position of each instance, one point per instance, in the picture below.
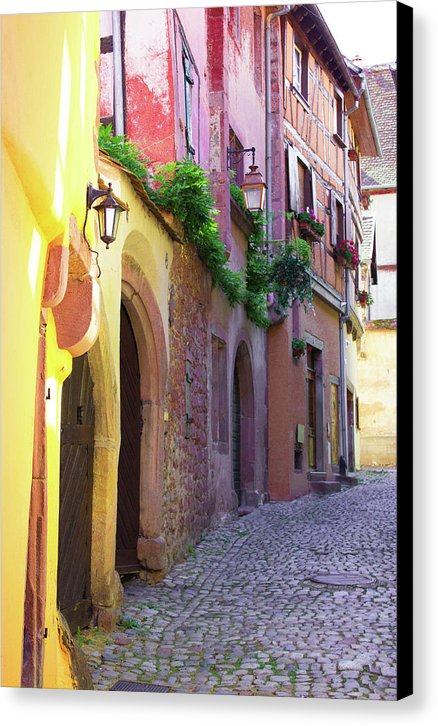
{"points": [[300, 71], [237, 161], [339, 222], [305, 186], [338, 117], [188, 94]]}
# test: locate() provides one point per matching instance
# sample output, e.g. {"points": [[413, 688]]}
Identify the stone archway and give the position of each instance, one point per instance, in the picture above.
{"points": [[244, 428], [147, 324]]}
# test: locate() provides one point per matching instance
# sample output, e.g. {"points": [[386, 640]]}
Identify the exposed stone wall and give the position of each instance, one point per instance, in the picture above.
{"points": [[188, 503]]}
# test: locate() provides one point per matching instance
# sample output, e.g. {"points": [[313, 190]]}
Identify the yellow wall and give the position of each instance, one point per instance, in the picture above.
{"points": [[378, 397], [49, 110]]}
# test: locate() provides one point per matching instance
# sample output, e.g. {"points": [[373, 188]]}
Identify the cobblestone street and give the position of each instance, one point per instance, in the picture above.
{"points": [[242, 615]]}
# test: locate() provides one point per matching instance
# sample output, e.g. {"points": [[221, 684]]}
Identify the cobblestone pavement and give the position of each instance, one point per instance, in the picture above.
{"points": [[242, 616]]}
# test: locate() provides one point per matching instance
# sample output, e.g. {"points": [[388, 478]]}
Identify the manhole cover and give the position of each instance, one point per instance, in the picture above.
{"points": [[137, 686], [341, 578]]}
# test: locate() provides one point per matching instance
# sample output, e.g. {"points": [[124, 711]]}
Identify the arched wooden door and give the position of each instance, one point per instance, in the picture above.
{"points": [[128, 491], [74, 544]]}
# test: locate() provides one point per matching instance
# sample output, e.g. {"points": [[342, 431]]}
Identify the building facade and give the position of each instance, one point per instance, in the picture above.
{"points": [[326, 127], [377, 355]]}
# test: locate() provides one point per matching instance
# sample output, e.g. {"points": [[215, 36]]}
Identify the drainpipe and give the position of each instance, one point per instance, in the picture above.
{"points": [[345, 315], [119, 110], [269, 18]]}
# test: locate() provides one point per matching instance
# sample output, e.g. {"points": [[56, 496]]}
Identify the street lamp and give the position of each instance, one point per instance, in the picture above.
{"points": [[253, 187], [108, 212], [254, 190]]}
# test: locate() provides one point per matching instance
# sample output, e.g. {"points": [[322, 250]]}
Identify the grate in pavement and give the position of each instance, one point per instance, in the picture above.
{"points": [[342, 578], [137, 686]]}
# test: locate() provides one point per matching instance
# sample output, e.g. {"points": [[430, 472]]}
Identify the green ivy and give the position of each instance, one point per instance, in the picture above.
{"points": [[183, 188]]}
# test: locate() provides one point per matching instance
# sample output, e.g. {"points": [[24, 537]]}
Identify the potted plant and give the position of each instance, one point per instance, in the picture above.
{"points": [[364, 298], [346, 254], [298, 347], [290, 274], [310, 225]]}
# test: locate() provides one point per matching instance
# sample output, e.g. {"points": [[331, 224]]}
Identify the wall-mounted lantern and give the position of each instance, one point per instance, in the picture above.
{"points": [[253, 187], [108, 212], [254, 190]]}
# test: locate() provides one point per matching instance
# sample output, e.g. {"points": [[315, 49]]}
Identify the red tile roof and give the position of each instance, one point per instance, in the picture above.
{"points": [[382, 87]]}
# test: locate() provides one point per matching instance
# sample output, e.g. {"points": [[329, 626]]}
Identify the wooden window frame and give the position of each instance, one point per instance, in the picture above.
{"points": [[338, 118]]}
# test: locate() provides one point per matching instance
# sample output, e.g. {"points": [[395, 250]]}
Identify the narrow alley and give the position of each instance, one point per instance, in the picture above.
{"points": [[245, 614]]}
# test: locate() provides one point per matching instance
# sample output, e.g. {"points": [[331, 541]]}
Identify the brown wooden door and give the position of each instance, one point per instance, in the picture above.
{"points": [[74, 544], [128, 499]]}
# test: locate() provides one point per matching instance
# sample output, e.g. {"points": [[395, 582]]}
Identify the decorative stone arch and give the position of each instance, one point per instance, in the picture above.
{"points": [[106, 590], [147, 324], [243, 370]]}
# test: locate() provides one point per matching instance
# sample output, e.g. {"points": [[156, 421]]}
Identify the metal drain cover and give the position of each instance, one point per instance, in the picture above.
{"points": [[342, 578], [137, 686]]}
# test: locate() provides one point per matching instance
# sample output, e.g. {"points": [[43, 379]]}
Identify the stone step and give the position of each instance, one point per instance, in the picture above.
{"points": [[349, 479], [316, 475], [325, 486]]}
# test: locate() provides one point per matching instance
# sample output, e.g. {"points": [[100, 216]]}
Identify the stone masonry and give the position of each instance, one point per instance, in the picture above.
{"points": [[242, 615]]}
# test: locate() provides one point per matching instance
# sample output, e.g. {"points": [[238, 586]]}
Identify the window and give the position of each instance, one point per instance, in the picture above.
{"points": [[305, 196], [339, 222], [338, 117], [300, 70], [236, 160], [188, 98], [257, 50], [219, 409], [234, 20]]}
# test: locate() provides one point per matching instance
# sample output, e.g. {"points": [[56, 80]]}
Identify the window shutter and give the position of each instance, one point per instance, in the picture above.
{"points": [[333, 219], [313, 191], [293, 178]]}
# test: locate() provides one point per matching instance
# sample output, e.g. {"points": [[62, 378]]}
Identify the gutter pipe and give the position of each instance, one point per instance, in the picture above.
{"points": [[119, 110], [346, 303]]}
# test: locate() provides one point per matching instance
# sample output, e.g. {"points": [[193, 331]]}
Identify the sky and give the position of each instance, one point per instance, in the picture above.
{"points": [[364, 29]]}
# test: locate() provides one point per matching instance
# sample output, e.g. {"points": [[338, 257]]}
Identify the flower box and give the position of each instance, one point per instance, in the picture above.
{"points": [[346, 255], [298, 347]]}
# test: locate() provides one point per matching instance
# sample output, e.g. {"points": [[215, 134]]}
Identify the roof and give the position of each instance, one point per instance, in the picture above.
{"points": [[382, 87], [312, 23], [346, 75]]}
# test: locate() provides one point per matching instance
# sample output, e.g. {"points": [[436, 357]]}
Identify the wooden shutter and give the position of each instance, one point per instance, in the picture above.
{"points": [[292, 167], [333, 224], [313, 191]]}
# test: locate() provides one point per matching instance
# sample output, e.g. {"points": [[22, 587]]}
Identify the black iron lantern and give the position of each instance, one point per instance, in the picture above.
{"points": [[254, 190], [108, 212]]}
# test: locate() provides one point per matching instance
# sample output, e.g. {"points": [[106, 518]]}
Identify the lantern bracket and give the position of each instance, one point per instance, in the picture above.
{"points": [[237, 154]]}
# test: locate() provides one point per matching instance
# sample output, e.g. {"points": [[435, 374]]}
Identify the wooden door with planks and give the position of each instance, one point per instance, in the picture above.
{"points": [[75, 511]]}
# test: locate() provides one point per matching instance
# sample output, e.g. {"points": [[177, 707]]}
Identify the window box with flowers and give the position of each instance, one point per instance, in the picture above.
{"points": [[364, 298], [310, 225], [346, 255], [298, 347]]}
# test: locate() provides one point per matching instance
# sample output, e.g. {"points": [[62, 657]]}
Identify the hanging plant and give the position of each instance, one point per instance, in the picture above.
{"points": [[290, 275], [364, 298], [298, 347]]}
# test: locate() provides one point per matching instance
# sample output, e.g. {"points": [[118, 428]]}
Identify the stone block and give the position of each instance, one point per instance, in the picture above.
{"points": [[152, 553]]}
